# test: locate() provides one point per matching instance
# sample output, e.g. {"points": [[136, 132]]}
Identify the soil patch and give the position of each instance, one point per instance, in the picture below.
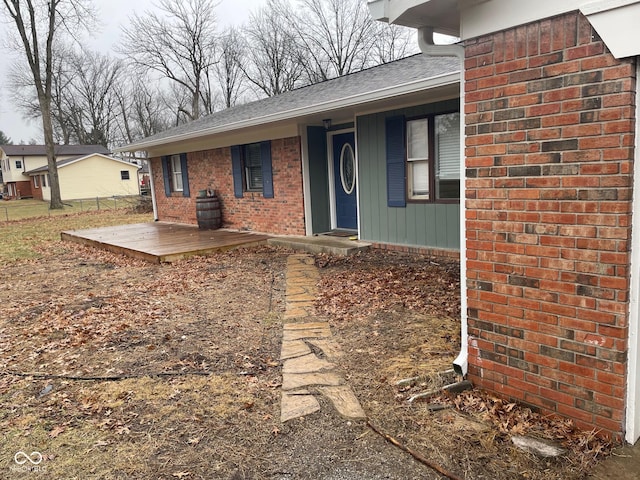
{"points": [[114, 368]]}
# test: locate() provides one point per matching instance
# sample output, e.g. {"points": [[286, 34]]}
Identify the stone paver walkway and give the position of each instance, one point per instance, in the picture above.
{"points": [[308, 350]]}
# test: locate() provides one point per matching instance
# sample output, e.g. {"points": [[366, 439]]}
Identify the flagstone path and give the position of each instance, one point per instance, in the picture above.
{"points": [[308, 350]]}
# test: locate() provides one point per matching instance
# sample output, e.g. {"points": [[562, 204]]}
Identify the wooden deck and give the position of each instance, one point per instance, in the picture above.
{"points": [[162, 242]]}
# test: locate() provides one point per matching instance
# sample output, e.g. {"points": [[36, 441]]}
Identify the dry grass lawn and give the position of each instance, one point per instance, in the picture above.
{"points": [[113, 368]]}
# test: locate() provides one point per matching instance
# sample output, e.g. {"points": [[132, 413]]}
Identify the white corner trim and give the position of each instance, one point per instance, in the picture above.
{"points": [[616, 21], [632, 414], [306, 181], [357, 160], [152, 185]]}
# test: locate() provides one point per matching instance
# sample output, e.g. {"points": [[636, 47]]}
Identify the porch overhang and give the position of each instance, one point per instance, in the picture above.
{"points": [[614, 20], [441, 15], [286, 123]]}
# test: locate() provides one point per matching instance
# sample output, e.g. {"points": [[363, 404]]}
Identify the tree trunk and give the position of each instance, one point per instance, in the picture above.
{"points": [[47, 127]]}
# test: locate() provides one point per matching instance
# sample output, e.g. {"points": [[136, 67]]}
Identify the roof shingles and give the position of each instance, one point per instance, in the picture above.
{"points": [[40, 150], [393, 74]]}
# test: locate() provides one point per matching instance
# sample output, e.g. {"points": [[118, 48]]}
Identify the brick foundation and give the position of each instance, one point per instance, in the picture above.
{"points": [[283, 214], [549, 150], [22, 189], [418, 250]]}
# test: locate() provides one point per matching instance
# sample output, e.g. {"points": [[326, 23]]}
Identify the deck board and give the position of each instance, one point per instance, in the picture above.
{"points": [[162, 242]]}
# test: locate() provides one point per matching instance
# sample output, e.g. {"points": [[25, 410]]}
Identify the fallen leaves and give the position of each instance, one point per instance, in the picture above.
{"points": [[382, 281], [513, 419], [57, 430]]}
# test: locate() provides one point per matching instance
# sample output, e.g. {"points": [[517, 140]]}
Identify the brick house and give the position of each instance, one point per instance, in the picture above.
{"points": [[329, 156], [551, 244]]}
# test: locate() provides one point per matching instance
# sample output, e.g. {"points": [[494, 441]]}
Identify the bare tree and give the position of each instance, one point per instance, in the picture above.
{"points": [[143, 111], [275, 63], [343, 38], [339, 32], [92, 101], [392, 42], [229, 72], [62, 77], [82, 96], [39, 23], [179, 43], [25, 96]]}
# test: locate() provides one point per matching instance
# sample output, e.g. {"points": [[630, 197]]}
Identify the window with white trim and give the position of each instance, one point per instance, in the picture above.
{"points": [[418, 158], [433, 157], [176, 173], [252, 160], [36, 181]]}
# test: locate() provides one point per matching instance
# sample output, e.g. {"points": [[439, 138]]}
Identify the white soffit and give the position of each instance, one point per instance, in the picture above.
{"points": [[487, 17], [617, 24], [496, 15]]}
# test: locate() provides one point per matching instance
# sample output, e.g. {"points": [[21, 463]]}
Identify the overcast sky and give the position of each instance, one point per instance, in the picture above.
{"points": [[113, 14]]}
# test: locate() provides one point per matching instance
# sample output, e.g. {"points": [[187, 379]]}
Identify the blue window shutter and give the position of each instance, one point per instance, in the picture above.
{"points": [[396, 168], [185, 175], [236, 163], [165, 174], [267, 171]]}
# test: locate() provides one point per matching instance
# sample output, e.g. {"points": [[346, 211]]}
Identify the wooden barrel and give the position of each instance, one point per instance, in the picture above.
{"points": [[208, 213]]}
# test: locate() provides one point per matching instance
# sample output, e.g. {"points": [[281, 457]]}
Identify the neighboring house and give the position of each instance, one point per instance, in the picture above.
{"points": [[87, 176], [328, 156], [16, 160], [551, 254]]}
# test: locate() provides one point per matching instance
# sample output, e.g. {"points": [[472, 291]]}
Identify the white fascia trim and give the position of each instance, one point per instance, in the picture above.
{"points": [[103, 156], [604, 6], [80, 159], [353, 100], [632, 422]]}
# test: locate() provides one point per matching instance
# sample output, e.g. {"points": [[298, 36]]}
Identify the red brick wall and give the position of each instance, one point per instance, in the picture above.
{"points": [[23, 189], [37, 192], [550, 134], [283, 214]]}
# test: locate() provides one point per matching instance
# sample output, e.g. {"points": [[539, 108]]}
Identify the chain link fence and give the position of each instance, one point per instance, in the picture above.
{"points": [[30, 208]]}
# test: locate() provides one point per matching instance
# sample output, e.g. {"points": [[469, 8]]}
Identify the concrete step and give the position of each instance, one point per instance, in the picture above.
{"points": [[321, 244]]}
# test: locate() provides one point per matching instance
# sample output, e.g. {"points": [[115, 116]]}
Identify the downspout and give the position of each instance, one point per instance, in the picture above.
{"points": [[632, 421], [428, 47]]}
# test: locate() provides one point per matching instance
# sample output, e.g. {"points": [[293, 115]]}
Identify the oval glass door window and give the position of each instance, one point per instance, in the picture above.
{"points": [[347, 169]]}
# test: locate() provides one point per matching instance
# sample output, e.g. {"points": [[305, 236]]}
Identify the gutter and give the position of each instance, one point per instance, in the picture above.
{"points": [[351, 101], [428, 47]]}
